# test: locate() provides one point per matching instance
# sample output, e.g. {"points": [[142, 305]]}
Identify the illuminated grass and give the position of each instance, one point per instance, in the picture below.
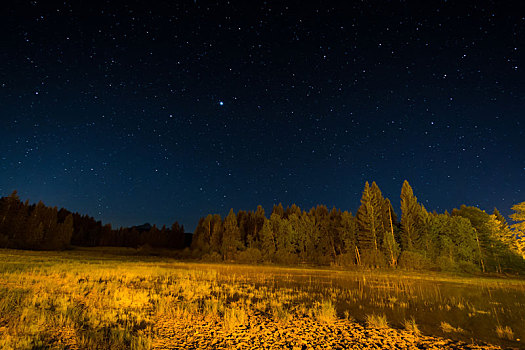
{"points": [[505, 332], [376, 321], [411, 326], [107, 299]]}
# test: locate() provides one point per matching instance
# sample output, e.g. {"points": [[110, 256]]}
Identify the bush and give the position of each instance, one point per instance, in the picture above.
{"points": [[250, 256], [346, 260], [373, 258], [286, 258], [4, 241], [468, 267], [145, 249], [212, 257], [414, 261], [445, 264]]}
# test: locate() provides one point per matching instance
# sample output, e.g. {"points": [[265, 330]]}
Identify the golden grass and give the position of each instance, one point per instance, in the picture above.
{"points": [[112, 299], [411, 326], [448, 328], [325, 311], [376, 321], [505, 332]]}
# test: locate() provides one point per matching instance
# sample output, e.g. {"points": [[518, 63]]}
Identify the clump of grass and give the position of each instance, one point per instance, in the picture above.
{"points": [[411, 326], [279, 312], [347, 316], [505, 332], [376, 321], [234, 317], [448, 328], [325, 311]]}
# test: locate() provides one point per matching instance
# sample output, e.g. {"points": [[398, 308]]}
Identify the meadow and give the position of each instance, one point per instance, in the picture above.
{"points": [[117, 299]]}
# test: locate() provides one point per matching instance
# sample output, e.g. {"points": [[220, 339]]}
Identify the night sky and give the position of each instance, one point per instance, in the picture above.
{"points": [[157, 111]]}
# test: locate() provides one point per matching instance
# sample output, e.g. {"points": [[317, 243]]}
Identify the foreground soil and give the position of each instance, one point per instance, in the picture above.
{"points": [[262, 333]]}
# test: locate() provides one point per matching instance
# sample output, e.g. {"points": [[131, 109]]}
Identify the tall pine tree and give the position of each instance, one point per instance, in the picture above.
{"points": [[231, 238], [369, 220], [410, 215]]}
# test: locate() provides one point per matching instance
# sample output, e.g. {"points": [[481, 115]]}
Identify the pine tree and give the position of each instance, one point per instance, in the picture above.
{"points": [[283, 237], [202, 235], [278, 209], [231, 239], [348, 232], [383, 206], [500, 218], [216, 226], [519, 217], [369, 220], [410, 215], [34, 234], [65, 232], [519, 227], [267, 241]]}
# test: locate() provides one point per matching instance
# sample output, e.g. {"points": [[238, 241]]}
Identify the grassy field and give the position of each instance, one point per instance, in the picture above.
{"points": [[113, 299]]}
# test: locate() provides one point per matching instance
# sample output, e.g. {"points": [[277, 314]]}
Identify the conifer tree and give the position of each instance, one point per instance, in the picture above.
{"points": [[283, 237], [216, 227], [278, 209], [369, 220], [519, 227], [500, 218], [410, 214], [519, 217], [267, 241], [231, 239], [348, 232]]}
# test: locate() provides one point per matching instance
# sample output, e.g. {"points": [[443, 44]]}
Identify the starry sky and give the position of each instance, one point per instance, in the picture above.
{"points": [[145, 111]]}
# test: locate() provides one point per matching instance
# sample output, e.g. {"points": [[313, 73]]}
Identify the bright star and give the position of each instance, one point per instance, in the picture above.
{"points": [[221, 103]]}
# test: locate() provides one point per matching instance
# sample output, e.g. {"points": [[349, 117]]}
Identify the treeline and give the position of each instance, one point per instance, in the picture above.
{"points": [[36, 226], [466, 239]]}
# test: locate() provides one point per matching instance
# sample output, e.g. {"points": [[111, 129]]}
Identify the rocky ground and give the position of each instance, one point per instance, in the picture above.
{"points": [[262, 333]]}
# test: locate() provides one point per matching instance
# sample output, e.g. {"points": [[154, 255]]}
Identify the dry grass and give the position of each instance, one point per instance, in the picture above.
{"points": [[376, 321], [505, 332], [234, 317], [448, 328], [411, 326], [108, 299], [325, 311]]}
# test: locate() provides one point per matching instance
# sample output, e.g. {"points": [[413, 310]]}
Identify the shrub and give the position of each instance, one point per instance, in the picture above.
{"points": [[468, 267], [250, 256], [445, 264], [346, 260], [373, 258], [212, 257], [145, 249], [286, 258], [414, 261], [4, 241]]}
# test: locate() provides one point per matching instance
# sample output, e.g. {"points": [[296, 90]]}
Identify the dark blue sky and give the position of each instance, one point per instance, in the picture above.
{"points": [[132, 112]]}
